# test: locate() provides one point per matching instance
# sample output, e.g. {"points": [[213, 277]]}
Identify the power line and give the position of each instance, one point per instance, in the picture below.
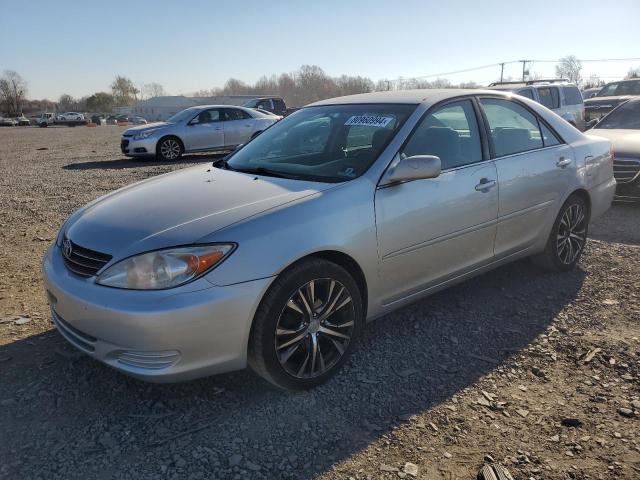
{"points": [[502, 64]]}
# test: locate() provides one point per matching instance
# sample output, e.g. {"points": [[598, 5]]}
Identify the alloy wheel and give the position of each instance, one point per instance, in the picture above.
{"points": [[170, 149], [314, 328], [572, 233]]}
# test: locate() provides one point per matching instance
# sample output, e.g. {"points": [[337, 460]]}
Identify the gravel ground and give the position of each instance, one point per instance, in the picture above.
{"points": [[540, 371]]}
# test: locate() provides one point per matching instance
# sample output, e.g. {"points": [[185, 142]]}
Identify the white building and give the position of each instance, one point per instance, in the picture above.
{"points": [[161, 108]]}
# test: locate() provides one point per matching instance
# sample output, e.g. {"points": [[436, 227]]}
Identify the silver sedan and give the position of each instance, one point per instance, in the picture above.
{"points": [[196, 129], [341, 213]]}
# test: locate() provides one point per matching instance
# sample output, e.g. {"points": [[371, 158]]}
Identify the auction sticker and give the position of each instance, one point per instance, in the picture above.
{"points": [[369, 120]]}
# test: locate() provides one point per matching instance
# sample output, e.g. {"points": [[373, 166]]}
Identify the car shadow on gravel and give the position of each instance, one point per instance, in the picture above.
{"points": [[88, 421], [123, 163]]}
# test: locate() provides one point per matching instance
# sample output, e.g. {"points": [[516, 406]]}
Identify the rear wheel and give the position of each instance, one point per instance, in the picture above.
{"points": [[169, 149], [568, 237], [306, 325]]}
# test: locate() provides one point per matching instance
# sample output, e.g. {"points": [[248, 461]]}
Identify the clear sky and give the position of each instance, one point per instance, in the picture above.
{"points": [[77, 47]]}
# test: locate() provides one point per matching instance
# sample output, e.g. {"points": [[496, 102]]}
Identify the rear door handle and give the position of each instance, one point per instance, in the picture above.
{"points": [[563, 162], [485, 185]]}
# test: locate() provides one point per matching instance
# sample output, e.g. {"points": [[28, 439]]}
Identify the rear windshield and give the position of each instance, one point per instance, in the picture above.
{"points": [[333, 143]]}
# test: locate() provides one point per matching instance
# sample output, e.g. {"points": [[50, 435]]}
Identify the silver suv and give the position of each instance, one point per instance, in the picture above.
{"points": [[560, 96], [196, 129]]}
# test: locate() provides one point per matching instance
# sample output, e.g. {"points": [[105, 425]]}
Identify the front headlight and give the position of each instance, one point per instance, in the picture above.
{"points": [[143, 135], [164, 268]]}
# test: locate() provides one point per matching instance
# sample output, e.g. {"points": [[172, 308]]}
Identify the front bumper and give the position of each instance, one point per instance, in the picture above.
{"points": [[159, 336], [138, 148]]}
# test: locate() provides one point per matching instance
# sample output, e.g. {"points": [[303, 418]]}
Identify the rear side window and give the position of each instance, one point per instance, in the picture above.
{"points": [[449, 132], [236, 114], [514, 129], [572, 96], [549, 97], [526, 92]]}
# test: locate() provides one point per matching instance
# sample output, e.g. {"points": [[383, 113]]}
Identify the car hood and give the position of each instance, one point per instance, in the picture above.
{"points": [[146, 126], [179, 208], [625, 141], [605, 102]]}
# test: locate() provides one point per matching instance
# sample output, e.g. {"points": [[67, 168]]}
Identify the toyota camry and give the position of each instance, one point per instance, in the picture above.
{"points": [[338, 214]]}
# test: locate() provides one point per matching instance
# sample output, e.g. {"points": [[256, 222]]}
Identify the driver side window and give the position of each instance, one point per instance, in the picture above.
{"points": [[449, 132]]}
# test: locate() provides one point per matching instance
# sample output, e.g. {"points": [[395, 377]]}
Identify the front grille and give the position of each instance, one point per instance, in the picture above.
{"points": [[83, 261], [77, 338], [626, 170]]}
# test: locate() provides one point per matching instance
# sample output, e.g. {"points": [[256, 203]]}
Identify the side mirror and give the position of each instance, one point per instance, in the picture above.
{"points": [[591, 123], [417, 167]]}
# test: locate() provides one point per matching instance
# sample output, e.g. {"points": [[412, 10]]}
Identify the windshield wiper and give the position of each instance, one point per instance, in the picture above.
{"points": [[265, 171]]}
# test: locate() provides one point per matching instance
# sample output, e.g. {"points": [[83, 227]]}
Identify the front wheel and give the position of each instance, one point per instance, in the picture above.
{"points": [[169, 149], [568, 237], [306, 325]]}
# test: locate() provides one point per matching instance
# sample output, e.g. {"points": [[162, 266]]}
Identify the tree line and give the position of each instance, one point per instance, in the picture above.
{"points": [[308, 84]]}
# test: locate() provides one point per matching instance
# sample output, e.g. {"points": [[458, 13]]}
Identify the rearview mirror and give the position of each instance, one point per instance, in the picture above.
{"points": [[417, 167]]}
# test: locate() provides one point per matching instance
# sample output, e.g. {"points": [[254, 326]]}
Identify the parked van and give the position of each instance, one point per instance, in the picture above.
{"points": [[559, 95]]}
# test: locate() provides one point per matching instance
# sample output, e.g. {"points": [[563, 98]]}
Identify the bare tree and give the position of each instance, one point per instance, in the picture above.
{"points": [[633, 73], [66, 102], [124, 91], [13, 92], [570, 68], [153, 90]]}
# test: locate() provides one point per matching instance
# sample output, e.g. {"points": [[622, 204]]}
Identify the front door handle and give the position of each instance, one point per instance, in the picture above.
{"points": [[563, 162], [485, 185]]}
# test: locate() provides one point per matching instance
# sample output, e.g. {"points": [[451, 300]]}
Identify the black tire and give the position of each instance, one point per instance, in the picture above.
{"points": [[43, 125], [169, 149], [335, 285], [563, 250]]}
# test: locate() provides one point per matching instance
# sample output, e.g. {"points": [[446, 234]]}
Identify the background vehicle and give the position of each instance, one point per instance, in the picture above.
{"points": [[274, 105], [609, 97], [590, 92], [7, 122], [70, 119], [558, 95], [622, 127], [112, 120], [137, 120], [278, 257], [196, 129], [22, 121], [98, 119]]}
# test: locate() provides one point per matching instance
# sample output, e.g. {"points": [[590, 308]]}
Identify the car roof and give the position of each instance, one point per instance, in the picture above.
{"points": [[411, 97]]}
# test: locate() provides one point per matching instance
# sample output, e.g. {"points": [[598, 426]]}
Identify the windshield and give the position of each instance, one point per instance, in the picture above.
{"points": [[626, 116], [332, 143], [186, 114]]}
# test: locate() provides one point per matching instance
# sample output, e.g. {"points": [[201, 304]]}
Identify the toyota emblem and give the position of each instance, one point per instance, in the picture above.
{"points": [[67, 248]]}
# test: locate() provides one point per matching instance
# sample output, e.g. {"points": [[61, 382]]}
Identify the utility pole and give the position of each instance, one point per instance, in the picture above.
{"points": [[501, 71], [524, 68]]}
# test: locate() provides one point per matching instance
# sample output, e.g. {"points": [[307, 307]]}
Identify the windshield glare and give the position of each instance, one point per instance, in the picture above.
{"points": [[186, 114], [627, 116], [333, 143]]}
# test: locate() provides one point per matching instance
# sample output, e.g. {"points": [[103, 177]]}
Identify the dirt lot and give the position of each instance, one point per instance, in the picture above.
{"points": [[540, 371]]}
